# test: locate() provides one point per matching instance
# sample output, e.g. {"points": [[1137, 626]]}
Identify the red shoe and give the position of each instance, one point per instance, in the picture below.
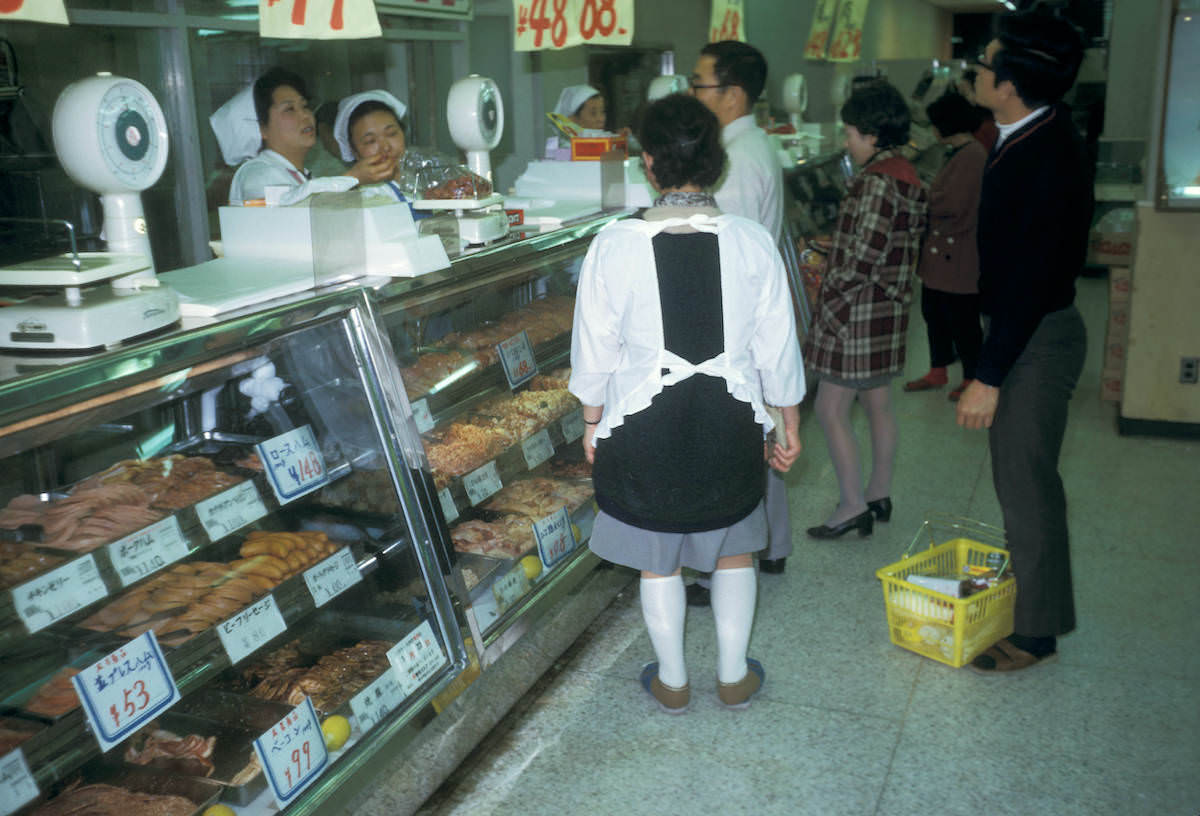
{"points": [[927, 383], [958, 392]]}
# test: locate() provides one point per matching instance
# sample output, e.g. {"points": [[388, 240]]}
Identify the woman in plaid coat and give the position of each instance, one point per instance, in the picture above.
{"points": [[857, 341]]}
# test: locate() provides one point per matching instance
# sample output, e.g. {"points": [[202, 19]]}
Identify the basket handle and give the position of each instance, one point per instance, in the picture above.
{"points": [[968, 526]]}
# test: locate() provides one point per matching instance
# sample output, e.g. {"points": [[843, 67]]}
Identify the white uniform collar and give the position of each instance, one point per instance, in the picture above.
{"points": [[737, 127]]}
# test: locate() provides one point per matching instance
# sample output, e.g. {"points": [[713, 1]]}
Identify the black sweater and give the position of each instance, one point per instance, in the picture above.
{"points": [[1035, 210]]}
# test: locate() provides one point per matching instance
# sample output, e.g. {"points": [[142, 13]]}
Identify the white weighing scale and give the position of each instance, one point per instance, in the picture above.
{"points": [[475, 113], [111, 137]]}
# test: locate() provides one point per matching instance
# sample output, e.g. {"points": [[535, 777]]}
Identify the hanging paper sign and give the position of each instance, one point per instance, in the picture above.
{"points": [[148, 550], [252, 628], [126, 690], [555, 540], [58, 593], [421, 415], [293, 463], [332, 577], [292, 753], [516, 355], [482, 483], [572, 425], [551, 25], [509, 588], [537, 449], [822, 24], [728, 21], [377, 700], [34, 11], [416, 658], [449, 508], [318, 19], [846, 45], [17, 786], [230, 510]]}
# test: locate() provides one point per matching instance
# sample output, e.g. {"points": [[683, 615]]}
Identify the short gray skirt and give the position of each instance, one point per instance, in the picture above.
{"points": [[859, 383], [663, 553]]}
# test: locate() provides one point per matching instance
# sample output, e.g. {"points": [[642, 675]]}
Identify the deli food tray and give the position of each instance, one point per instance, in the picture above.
{"points": [[91, 791]]}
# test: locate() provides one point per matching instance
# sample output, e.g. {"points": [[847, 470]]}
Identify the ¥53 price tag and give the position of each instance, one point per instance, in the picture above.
{"points": [[58, 593], [292, 753], [537, 449], [416, 658], [251, 629], [293, 463], [516, 355], [377, 700], [332, 577], [555, 540], [510, 588], [148, 550], [17, 785], [449, 508], [230, 510], [572, 425], [126, 690], [482, 482], [542, 25], [421, 415]]}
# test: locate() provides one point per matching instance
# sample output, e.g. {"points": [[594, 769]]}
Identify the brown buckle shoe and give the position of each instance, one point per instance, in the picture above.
{"points": [[737, 695], [670, 700], [1004, 656]]}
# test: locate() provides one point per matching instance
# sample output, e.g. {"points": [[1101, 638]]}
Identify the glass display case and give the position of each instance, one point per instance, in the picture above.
{"points": [[224, 534], [1178, 173]]}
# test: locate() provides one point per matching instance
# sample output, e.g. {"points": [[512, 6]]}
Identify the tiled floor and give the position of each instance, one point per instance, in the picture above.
{"points": [[848, 723]]}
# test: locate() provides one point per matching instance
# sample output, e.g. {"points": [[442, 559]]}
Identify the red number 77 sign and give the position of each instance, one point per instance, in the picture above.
{"points": [[317, 19], [40, 11]]}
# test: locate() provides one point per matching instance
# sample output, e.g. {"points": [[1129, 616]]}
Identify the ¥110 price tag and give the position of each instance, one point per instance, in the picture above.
{"points": [[126, 690], [293, 463], [541, 25], [251, 629], [510, 588], [449, 508], [537, 449], [17, 785], [416, 658], [292, 753], [58, 593], [482, 482], [230, 510], [377, 700], [516, 355], [555, 539], [421, 415], [148, 550], [572, 425], [332, 577]]}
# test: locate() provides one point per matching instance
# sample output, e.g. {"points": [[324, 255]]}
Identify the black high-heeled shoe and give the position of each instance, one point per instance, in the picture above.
{"points": [[882, 508], [863, 522]]}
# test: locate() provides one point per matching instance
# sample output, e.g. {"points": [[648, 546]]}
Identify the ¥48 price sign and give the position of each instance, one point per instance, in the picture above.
{"points": [[557, 24], [126, 690], [293, 463], [292, 753]]}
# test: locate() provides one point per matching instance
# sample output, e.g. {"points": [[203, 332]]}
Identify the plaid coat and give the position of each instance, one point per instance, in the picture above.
{"points": [[861, 315]]}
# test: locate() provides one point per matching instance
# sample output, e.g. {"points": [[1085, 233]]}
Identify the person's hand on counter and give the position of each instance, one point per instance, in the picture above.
{"points": [[373, 169]]}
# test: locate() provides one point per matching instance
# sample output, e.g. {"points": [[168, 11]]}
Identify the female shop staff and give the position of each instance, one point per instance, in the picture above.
{"points": [[369, 127], [583, 105], [269, 129]]}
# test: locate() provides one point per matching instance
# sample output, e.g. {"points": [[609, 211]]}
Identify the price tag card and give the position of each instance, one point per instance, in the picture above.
{"points": [[35, 11], [230, 510], [148, 550], [542, 25], [126, 690], [58, 593], [449, 508], [293, 463], [377, 700], [572, 425], [250, 629], [482, 482], [727, 21], [421, 415], [292, 753], [510, 588], [555, 540], [416, 658], [516, 355], [537, 448], [318, 19], [333, 576], [17, 786]]}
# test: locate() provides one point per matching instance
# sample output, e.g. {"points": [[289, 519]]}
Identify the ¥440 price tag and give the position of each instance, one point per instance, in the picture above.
{"points": [[555, 540], [292, 753], [293, 463], [516, 355], [126, 690], [332, 577], [17, 785]]}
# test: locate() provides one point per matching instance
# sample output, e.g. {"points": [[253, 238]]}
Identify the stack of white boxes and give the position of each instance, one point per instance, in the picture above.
{"points": [[1116, 340]]}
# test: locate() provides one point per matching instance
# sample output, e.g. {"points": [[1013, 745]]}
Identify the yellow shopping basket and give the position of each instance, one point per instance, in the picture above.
{"points": [[949, 629]]}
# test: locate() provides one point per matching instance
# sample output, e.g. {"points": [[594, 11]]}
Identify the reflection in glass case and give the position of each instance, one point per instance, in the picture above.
{"points": [[1179, 173]]}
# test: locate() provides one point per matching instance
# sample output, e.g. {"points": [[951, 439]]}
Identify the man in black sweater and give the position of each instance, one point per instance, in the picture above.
{"points": [[1035, 210]]}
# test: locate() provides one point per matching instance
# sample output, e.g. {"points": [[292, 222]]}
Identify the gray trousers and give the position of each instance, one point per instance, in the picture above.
{"points": [[1025, 440], [779, 518]]}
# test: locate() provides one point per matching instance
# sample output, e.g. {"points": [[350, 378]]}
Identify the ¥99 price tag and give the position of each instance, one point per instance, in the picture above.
{"points": [[541, 25], [293, 463], [125, 690], [292, 753], [516, 355]]}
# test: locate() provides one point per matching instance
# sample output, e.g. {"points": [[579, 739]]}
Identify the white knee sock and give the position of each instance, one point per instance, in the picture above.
{"points": [[733, 592], [664, 605]]}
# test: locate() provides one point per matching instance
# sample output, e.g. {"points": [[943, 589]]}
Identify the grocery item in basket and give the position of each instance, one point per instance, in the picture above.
{"points": [[109, 800], [56, 696], [190, 755]]}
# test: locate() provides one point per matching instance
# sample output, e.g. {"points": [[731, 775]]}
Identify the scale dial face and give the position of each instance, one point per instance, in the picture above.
{"points": [[128, 131], [489, 113]]}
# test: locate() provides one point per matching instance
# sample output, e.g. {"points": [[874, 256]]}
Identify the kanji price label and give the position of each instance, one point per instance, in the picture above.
{"points": [[541, 25], [126, 690], [510, 588], [377, 700], [416, 658], [58, 593], [292, 753], [249, 630], [555, 540], [230, 510], [332, 577], [148, 550], [516, 355], [572, 425], [482, 482], [17, 786], [293, 463], [537, 449], [421, 415], [449, 508]]}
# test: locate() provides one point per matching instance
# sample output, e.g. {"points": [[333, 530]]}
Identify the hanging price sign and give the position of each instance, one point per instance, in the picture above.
{"points": [[148, 550], [377, 700], [34, 11], [822, 24], [17, 785], [251, 629], [416, 658], [727, 21], [292, 753], [846, 45], [332, 577], [572, 425], [421, 415], [230, 510], [58, 593], [537, 449], [542, 25], [293, 463], [555, 540], [318, 19], [482, 483], [516, 355], [126, 690]]}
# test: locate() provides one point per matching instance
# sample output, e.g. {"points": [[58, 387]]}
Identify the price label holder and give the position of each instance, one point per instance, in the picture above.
{"points": [[58, 593], [537, 449], [332, 577], [421, 415], [148, 550], [292, 753], [555, 541], [17, 786], [377, 700], [449, 508], [125, 690], [516, 355], [510, 588], [249, 630], [416, 658], [293, 463], [482, 483], [230, 510], [572, 425]]}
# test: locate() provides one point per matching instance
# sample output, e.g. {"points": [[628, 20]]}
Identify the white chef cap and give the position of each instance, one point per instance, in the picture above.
{"points": [[236, 125], [573, 97], [341, 125]]}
